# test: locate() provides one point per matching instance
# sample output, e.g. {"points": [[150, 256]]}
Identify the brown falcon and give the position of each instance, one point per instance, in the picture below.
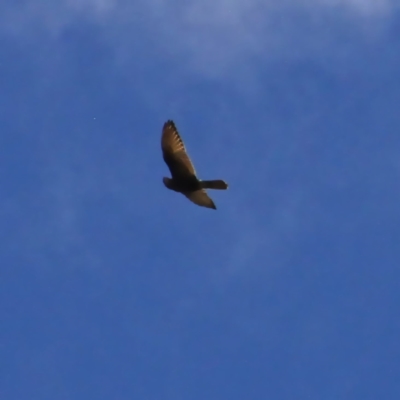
{"points": [[184, 179]]}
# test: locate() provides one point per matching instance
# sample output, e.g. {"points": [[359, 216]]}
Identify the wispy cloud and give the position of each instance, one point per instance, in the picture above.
{"points": [[210, 37]]}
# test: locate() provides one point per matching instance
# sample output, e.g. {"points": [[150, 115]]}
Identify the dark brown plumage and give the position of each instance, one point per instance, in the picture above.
{"points": [[184, 179]]}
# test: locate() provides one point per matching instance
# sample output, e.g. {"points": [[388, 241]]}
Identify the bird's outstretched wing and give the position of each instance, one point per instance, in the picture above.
{"points": [[201, 198], [174, 152]]}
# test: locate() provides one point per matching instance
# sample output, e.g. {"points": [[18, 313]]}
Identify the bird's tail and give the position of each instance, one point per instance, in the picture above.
{"points": [[216, 184]]}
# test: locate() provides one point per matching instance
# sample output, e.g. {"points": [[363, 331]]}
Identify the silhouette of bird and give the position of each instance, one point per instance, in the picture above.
{"points": [[184, 179]]}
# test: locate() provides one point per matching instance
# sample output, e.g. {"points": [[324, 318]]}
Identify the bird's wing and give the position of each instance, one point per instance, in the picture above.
{"points": [[174, 152], [201, 198]]}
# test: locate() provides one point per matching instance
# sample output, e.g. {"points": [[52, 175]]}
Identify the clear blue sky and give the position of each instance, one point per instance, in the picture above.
{"points": [[113, 287]]}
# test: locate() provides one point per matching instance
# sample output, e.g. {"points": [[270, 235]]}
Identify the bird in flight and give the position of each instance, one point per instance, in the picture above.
{"points": [[184, 179]]}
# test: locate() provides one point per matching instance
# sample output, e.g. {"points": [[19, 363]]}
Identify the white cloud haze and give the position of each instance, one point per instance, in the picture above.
{"points": [[210, 37]]}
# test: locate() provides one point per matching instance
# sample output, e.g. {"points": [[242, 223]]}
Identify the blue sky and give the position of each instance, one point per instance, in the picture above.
{"points": [[113, 287]]}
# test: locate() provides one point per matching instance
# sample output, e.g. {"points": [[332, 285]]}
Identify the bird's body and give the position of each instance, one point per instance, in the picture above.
{"points": [[182, 185], [184, 179]]}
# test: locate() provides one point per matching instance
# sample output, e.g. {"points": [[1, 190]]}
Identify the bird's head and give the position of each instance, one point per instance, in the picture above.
{"points": [[167, 182]]}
